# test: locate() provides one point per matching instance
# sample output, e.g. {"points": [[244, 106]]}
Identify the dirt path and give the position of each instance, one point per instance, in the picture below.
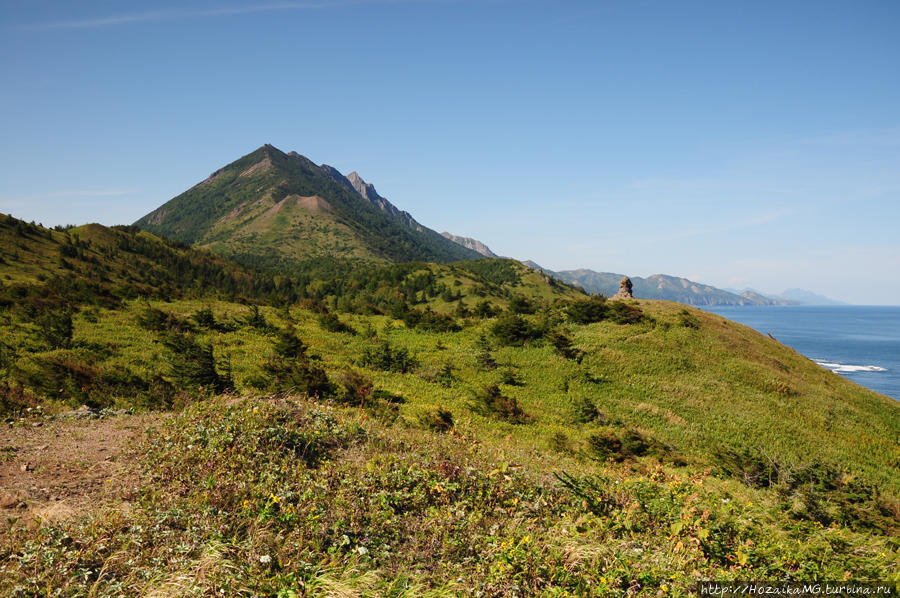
{"points": [[53, 470]]}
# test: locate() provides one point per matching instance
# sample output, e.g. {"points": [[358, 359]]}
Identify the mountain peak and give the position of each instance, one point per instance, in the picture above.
{"points": [[269, 205], [365, 189]]}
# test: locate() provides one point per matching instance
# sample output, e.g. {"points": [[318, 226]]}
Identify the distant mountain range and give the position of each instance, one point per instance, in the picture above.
{"points": [[808, 297], [269, 208], [661, 286], [674, 288]]}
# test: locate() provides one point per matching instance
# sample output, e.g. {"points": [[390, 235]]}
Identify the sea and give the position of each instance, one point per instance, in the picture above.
{"points": [[861, 343]]}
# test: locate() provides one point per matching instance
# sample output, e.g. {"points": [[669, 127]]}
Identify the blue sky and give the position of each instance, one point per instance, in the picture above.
{"points": [[738, 144]]}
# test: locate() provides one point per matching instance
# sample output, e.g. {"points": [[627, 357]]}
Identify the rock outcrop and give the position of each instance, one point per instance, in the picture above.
{"points": [[624, 289]]}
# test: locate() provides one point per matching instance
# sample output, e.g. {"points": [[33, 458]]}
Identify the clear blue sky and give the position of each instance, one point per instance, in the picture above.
{"points": [[738, 144]]}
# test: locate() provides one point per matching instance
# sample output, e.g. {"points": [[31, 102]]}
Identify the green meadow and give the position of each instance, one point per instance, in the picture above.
{"points": [[463, 429]]}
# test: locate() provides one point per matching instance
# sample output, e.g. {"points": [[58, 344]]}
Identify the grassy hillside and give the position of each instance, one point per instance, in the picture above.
{"points": [[94, 263], [468, 429], [638, 466], [270, 209]]}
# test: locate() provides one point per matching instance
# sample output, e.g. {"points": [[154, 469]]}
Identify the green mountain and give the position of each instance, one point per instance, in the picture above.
{"points": [[660, 286], [270, 208]]}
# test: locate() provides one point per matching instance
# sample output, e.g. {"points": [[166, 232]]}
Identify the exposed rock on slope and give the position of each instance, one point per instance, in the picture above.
{"points": [[470, 243], [625, 287]]}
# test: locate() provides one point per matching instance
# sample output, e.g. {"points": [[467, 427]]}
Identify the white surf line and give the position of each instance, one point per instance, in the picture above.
{"points": [[848, 368]]}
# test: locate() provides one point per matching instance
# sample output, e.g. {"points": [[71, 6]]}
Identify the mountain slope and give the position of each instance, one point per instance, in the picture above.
{"points": [[98, 264], [461, 440], [270, 208]]}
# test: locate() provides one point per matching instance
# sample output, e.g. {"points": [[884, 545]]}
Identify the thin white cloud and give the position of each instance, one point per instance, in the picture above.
{"points": [[172, 14]]}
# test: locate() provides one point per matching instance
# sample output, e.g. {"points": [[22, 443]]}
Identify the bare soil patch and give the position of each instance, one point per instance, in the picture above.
{"points": [[54, 470]]}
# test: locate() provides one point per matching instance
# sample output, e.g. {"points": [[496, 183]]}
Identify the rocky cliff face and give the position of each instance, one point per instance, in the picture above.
{"points": [[470, 243], [368, 192]]}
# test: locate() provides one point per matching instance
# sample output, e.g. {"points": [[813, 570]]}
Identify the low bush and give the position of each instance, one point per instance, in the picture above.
{"points": [[522, 305], [330, 322], [688, 320], [387, 358], [491, 402], [484, 358], [206, 319], [588, 311], [508, 377], [617, 445], [623, 313], [156, 320], [564, 345], [192, 365], [586, 411], [514, 330], [55, 328], [437, 420]]}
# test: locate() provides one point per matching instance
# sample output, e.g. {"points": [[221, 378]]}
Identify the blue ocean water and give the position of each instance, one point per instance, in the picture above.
{"points": [[859, 342]]}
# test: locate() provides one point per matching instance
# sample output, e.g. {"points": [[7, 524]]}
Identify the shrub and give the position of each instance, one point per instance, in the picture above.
{"points": [[559, 442], [588, 311], [156, 320], [484, 309], [445, 377], [484, 358], [586, 411], [521, 305], [688, 320], [384, 357], [205, 318], [513, 330], [462, 311], [437, 420], [298, 375], [563, 344], [508, 377], [749, 466], [491, 402], [291, 369], [56, 328], [192, 365], [608, 445], [429, 321], [497, 271], [78, 381], [356, 389], [289, 345], [330, 322], [16, 400], [257, 320], [623, 313]]}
